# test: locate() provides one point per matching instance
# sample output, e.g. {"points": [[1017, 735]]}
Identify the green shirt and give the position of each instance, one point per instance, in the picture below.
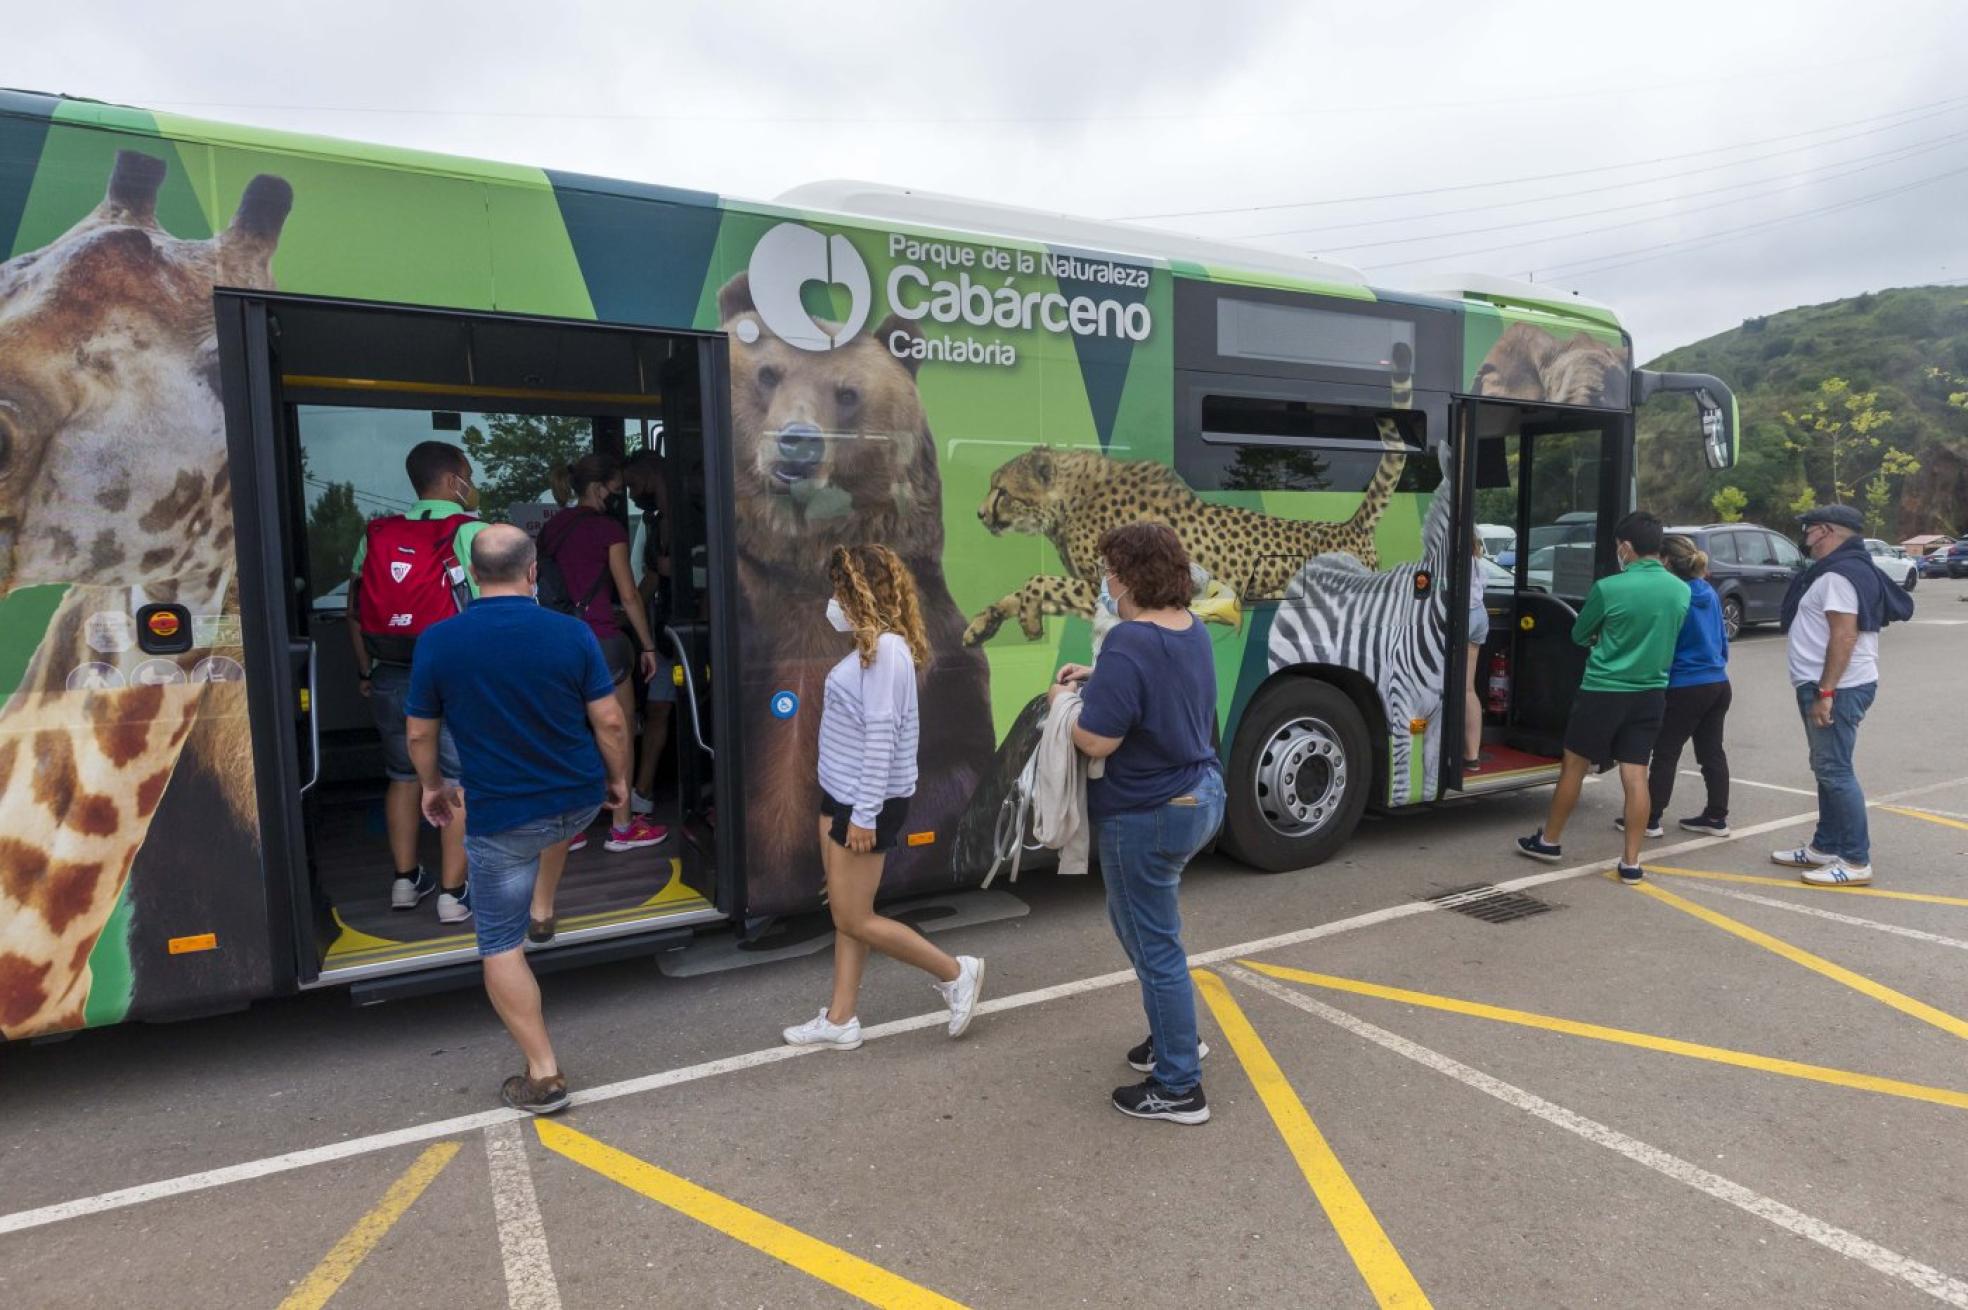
{"points": [[432, 509], [1636, 615]]}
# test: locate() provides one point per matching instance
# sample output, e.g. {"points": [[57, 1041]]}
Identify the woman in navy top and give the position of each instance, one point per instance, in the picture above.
{"points": [[1698, 697], [1148, 710]]}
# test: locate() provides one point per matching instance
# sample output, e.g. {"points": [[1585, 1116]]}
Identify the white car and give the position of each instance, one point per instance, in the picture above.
{"points": [[1893, 562]]}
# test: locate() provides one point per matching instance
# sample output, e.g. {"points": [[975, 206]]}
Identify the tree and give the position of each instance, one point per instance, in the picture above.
{"points": [[517, 455], [334, 527], [1835, 430], [1729, 504], [1879, 495]]}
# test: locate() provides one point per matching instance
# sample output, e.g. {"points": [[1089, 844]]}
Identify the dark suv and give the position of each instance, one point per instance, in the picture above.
{"points": [[1957, 559], [1750, 568]]}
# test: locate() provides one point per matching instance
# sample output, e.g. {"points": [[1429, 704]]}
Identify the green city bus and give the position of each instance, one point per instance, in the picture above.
{"points": [[217, 344]]}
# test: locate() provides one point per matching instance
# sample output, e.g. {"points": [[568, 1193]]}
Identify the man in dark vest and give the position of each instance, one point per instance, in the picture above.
{"points": [[1832, 615]]}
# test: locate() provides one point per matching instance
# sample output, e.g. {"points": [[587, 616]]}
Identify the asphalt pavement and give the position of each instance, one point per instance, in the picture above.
{"points": [[1722, 1088]]}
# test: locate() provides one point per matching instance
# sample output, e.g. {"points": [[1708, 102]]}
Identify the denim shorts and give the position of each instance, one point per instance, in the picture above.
{"points": [[502, 867], [389, 691]]}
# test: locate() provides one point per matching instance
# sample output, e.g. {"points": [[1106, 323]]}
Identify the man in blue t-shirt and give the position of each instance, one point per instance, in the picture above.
{"points": [[542, 745]]}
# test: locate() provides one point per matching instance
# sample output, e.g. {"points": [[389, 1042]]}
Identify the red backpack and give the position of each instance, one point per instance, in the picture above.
{"points": [[411, 578]]}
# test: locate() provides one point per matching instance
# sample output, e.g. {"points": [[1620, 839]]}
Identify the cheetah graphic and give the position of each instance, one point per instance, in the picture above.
{"points": [[1072, 497]]}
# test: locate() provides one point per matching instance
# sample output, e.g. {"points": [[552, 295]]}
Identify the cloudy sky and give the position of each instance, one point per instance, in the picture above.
{"points": [[1689, 163]]}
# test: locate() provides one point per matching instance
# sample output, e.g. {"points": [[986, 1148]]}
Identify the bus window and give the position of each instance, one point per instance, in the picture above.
{"points": [[1245, 442], [1563, 536]]}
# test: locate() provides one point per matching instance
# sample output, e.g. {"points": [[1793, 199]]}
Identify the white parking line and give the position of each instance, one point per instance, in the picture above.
{"points": [[1745, 782], [1835, 917], [1932, 1281], [275, 1164], [530, 1283]]}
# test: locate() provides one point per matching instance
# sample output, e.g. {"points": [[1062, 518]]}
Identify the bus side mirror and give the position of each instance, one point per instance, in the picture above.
{"points": [[1715, 405]]}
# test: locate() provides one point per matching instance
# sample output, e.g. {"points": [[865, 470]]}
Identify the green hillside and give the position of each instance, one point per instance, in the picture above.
{"points": [[1902, 457]]}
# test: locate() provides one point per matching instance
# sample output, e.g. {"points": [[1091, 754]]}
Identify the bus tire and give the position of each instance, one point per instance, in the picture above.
{"points": [[1298, 779]]}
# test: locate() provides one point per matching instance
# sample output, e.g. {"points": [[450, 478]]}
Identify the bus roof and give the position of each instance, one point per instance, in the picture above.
{"points": [[1223, 261]]}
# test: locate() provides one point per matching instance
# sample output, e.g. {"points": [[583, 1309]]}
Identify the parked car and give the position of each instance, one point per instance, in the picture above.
{"points": [[1497, 539], [1750, 568], [1934, 564], [1893, 562], [1957, 559]]}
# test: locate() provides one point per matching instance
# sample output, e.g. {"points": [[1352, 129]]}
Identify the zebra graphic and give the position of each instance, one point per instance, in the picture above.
{"points": [[1338, 612]]}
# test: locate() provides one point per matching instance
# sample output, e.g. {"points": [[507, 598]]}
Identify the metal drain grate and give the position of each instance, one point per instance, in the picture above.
{"points": [[1489, 903]]}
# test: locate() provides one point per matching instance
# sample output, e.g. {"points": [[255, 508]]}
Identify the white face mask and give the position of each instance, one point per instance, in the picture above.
{"points": [[838, 616], [1108, 601]]}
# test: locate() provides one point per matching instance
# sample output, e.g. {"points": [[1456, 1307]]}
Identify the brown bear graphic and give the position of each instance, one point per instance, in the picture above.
{"points": [[832, 448], [1530, 363]]}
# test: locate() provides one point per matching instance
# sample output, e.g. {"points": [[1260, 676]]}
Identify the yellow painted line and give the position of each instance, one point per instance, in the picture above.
{"points": [[1380, 1265], [1922, 814], [355, 1246], [1863, 1082], [831, 1265], [1796, 883], [1817, 964]]}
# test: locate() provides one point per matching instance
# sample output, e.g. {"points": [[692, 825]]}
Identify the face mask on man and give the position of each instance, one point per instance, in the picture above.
{"points": [[838, 616]]}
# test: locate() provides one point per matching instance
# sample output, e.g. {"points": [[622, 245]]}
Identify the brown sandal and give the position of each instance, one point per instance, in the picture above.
{"points": [[542, 931], [535, 1095]]}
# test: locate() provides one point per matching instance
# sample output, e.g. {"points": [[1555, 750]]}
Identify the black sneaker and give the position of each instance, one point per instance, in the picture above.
{"points": [[407, 892], [1142, 1058], [1631, 874], [1706, 826], [535, 1095], [1653, 828], [1151, 1100], [1538, 848]]}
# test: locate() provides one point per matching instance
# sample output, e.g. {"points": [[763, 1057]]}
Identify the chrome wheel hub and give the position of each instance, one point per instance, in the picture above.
{"points": [[1300, 777]]}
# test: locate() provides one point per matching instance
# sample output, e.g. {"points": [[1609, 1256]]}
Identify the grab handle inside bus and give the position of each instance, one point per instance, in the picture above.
{"points": [[313, 709], [1715, 406], [689, 690]]}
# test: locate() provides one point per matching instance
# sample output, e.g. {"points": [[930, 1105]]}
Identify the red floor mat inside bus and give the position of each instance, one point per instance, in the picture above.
{"points": [[1500, 760]]}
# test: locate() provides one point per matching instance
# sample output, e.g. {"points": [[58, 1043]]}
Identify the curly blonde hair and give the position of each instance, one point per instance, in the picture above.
{"points": [[878, 593]]}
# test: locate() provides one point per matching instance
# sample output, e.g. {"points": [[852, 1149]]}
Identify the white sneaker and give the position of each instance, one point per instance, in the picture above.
{"points": [[961, 995], [1804, 857], [821, 1031], [454, 908], [1838, 874], [407, 893], [641, 804]]}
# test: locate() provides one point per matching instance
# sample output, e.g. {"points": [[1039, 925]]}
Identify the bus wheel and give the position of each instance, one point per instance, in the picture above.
{"points": [[1298, 779]]}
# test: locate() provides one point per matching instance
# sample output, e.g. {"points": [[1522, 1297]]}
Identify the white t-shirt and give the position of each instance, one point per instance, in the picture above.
{"points": [[869, 729], [1810, 633]]}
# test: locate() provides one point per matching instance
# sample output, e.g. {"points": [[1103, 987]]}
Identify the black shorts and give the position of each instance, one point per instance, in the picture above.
{"points": [[1609, 727], [888, 820], [619, 653]]}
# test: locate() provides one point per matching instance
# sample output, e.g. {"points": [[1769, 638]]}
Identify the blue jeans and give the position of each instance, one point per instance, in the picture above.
{"points": [[1142, 856], [502, 867], [1841, 804]]}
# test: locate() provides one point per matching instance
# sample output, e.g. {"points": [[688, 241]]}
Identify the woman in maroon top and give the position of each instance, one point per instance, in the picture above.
{"points": [[592, 549]]}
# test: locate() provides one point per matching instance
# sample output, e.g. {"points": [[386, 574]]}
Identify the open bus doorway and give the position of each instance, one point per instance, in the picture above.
{"points": [[1555, 476], [348, 391]]}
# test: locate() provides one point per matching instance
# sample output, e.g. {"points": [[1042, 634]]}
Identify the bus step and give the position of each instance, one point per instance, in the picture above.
{"points": [[451, 977]]}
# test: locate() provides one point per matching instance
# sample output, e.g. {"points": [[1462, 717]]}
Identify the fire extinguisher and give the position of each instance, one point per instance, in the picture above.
{"points": [[1499, 699]]}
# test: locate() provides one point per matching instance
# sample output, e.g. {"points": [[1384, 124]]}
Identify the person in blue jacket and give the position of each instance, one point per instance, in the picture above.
{"points": [[1698, 697]]}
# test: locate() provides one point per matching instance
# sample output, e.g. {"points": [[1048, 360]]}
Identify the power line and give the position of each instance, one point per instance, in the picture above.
{"points": [[1545, 177], [1882, 160], [893, 119], [1600, 190], [1647, 253]]}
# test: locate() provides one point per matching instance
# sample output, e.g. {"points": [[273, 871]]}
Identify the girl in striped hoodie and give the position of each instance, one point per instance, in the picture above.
{"points": [[868, 734]]}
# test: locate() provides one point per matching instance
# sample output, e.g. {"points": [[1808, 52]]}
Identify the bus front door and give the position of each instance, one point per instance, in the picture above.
{"points": [[1556, 478]]}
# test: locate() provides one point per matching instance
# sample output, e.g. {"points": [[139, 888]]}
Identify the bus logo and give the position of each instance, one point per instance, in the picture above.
{"points": [[784, 261]]}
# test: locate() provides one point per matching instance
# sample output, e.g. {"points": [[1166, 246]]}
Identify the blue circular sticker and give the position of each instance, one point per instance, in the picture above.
{"points": [[784, 704]]}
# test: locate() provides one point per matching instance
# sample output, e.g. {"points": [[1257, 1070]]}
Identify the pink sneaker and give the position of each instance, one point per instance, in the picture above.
{"points": [[640, 832], [577, 842]]}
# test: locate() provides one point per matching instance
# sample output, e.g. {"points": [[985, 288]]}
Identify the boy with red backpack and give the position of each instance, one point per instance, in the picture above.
{"points": [[409, 573]]}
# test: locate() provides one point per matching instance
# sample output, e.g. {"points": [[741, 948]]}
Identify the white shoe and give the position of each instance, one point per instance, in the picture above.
{"points": [[1838, 874], [961, 995], [453, 908], [821, 1031], [1804, 857], [641, 804], [407, 893]]}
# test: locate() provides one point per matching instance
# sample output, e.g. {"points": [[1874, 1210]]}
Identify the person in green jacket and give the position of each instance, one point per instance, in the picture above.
{"points": [[1631, 620]]}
